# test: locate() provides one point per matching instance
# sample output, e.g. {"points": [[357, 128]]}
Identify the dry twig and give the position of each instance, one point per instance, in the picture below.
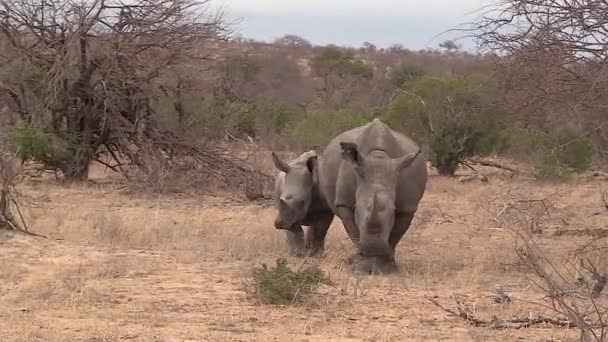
{"points": [[499, 323]]}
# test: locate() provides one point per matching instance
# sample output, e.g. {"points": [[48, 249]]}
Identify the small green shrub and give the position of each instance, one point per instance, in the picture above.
{"points": [[404, 73], [574, 150], [283, 116], [341, 62], [282, 286], [32, 144], [553, 154]]}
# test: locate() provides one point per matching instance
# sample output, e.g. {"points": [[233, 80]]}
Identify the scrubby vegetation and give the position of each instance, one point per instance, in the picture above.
{"points": [[111, 102], [281, 285], [162, 94]]}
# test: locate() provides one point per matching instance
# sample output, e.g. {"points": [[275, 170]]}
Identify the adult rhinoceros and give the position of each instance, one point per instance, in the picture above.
{"points": [[373, 178]]}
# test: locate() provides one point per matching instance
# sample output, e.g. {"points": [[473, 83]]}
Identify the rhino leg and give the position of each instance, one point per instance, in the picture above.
{"points": [[402, 224], [378, 265], [315, 241], [296, 245], [347, 216]]}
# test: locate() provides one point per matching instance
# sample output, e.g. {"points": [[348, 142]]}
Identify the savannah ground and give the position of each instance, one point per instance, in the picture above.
{"points": [[135, 267]]}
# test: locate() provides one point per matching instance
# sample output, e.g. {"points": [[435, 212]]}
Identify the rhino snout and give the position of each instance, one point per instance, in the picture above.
{"points": [[279, 223], [375, 247]]}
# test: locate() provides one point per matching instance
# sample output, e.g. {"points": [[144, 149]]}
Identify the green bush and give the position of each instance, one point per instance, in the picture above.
{"points": [[282, 286], [341, 62], [319, 126], [282, 116], [404, 73], [553, 155], [452, 115], [32, 144], [574, 150]]}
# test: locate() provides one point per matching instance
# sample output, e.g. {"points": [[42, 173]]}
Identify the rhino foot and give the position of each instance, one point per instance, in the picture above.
{"points": [[373, 265], [351, 259], [296, 252], [296, 247]]}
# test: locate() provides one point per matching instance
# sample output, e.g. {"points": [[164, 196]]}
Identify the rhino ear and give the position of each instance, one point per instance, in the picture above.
{"points": [[405, 160], [350, 153], [279, 164], [311, 163]]}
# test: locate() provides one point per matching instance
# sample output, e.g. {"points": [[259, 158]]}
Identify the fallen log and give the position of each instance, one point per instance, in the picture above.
{"points": [[491, 163]]}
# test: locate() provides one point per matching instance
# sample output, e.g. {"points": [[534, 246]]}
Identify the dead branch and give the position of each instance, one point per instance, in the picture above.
{"points": [[475, 176], [500, 323], [491, 163]]}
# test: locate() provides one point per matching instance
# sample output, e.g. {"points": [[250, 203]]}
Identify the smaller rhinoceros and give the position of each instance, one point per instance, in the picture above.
{"points": [[299, 203]]}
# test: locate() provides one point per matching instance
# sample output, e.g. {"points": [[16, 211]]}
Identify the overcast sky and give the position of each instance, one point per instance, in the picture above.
{"points": [[413, 23]]}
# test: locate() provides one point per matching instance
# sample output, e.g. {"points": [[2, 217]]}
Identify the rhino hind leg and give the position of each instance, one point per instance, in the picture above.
{"points": [[315, 241], [296, 245]]}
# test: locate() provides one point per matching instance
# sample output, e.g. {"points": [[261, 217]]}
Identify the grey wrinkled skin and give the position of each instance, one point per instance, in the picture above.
{"points": [[373, 178], [299, 203]]}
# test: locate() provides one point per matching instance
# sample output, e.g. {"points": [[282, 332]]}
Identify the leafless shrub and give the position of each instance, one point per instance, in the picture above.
{"points": [[551, 58], [87, 72], [574, 291], [178, 165], [573, 288]]}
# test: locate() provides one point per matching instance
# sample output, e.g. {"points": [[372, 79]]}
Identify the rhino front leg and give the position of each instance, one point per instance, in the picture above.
{"points": [[384, 264], [296, 245], [315, 241], [402, 224], [347, 216]]}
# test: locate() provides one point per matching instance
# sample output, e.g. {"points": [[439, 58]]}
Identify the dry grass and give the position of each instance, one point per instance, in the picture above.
{"points": [[171, 268]]}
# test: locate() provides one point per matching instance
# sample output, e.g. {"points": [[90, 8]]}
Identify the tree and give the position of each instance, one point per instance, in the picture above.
{"points": [[369, 47], [341, 75], [293, 40], [450, 115], [83, 72], [552, 60], [449, 45], [404, 73]]}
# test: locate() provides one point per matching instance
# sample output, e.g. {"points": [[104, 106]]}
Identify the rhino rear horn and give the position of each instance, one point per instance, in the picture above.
{"points": [[279, 164]]}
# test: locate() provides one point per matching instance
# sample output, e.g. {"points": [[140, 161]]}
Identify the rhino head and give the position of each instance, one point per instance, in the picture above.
{"points": [[377, 174], [295, 190]]}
